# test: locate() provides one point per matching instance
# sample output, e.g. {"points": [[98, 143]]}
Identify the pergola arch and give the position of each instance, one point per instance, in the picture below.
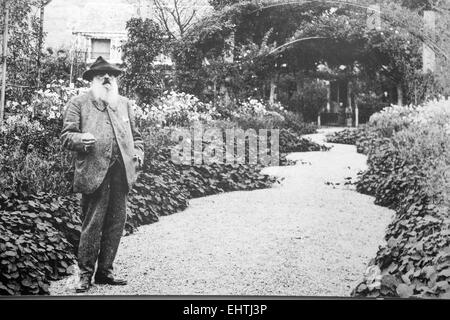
{"points": [[424, 38]]}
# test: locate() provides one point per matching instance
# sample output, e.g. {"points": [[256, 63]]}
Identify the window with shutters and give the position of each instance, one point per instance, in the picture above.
{"points": [[101, 47]]}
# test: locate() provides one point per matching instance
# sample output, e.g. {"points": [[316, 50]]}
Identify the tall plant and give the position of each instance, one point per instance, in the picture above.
{"points": [[22, 56], [145, 42]]}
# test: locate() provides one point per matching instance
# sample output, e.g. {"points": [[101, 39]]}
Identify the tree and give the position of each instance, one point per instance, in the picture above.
{"points": [[145, 42], [23, 50], [177, 16]]}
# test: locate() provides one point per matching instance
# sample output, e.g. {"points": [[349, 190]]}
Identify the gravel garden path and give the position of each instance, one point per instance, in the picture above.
{"points": [[312, 235]]}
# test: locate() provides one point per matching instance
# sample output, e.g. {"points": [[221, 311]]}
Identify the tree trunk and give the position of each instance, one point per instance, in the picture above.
{"points": [[399, 94], [273, 87], [224, 91], [349, 110], [428, 54], [329, 96], [4, 52]]}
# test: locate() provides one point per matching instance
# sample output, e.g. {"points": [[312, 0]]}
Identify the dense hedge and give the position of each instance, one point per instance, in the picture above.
{"points": [[33, 250], [416, 259], [405, 155]]}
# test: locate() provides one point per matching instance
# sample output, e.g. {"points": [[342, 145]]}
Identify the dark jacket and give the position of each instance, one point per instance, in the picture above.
{"points": [[118, 121]]}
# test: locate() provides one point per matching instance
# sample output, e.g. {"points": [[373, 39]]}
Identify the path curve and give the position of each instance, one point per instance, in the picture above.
{"points": [[301, 238]]}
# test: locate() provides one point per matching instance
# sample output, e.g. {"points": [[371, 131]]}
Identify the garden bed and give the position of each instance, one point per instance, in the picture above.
{"points": [[40, 218], [408, 163]]}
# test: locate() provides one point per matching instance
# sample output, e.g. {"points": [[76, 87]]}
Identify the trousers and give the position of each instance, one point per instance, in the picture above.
{"points": [[104, 216]]}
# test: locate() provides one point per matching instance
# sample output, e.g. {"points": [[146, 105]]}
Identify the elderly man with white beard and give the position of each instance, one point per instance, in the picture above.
{"points": [[99, 127]]}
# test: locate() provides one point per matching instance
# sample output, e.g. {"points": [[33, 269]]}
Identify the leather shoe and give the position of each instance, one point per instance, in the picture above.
{"points": [[83, 285], [101, 279]]}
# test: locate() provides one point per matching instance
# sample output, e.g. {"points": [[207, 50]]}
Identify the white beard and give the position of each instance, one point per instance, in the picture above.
{"points": [[109, 94]]}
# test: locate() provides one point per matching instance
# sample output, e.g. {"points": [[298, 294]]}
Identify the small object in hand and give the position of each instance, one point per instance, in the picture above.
{"points": [[87, 148], [88, 141], [139, 160]]}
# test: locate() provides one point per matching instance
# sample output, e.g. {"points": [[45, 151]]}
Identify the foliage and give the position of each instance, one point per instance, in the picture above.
{"points": [[408, 162], [386, 58], [31, 157], [56, 65], [219, 4], [176, 109], [347, 136], [176, 16], [32, 250], [144, 43], [156, 192], [294, 121], [292, 142], [23, 50], [310, 101], [258, 114], [153, 196], [254, 114]]}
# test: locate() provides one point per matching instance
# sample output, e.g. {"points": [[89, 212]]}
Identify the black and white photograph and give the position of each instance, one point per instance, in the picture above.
{"points": [[194, 149]]}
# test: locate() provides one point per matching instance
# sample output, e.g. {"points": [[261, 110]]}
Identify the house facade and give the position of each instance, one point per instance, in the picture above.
{"points": [[90, 28]]}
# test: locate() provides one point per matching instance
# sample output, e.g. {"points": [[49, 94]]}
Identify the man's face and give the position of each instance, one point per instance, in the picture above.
{"points": [[106, 80]]}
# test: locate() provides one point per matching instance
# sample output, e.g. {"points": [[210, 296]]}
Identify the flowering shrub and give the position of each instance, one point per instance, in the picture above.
{"points": [[254, 114], [435, 113], [50, 103], [392, 119], [176, 109], [31, 158], [258, 108]]}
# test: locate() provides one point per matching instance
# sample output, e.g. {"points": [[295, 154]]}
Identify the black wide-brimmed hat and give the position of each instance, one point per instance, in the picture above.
{"points": [[101, 65]]}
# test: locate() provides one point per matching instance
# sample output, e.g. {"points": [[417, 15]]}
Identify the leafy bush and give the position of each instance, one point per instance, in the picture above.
{"points": [[310, 100], [32, 159], [152, 197], [257, 114], [292, 142], [392, 119], [57, 65], [408, 160], [144, 43], [32, 249], [295, 122], [347, 136]]}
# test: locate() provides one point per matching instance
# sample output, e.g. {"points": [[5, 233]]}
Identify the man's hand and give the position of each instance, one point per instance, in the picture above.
{"points": [[88, 141], [139, 160]]}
